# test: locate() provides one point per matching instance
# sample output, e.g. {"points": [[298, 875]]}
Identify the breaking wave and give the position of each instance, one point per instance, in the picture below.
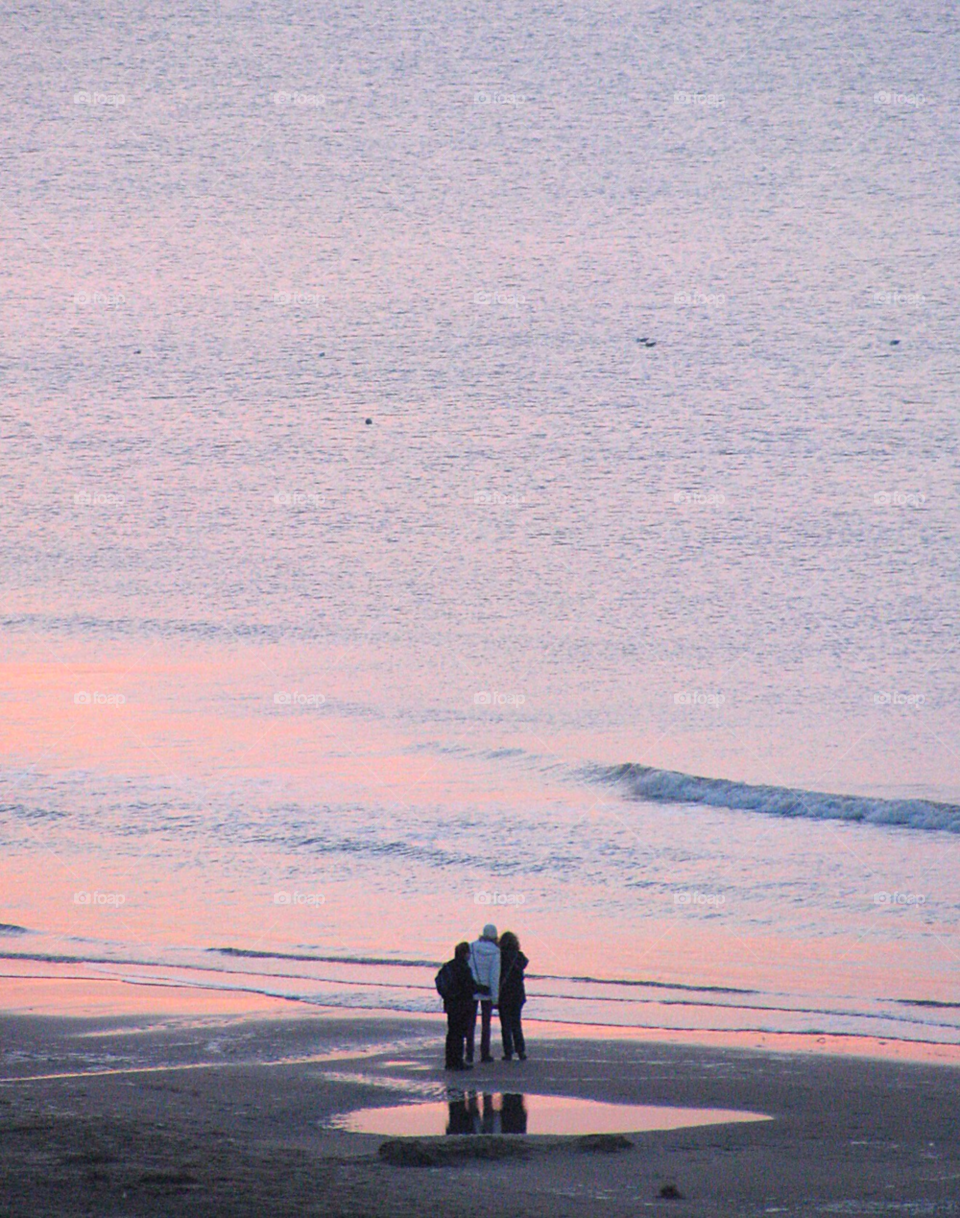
{"points": [[670, 786]]}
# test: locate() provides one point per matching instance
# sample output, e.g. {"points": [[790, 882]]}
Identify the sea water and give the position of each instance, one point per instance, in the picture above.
{"points": [[468, 464]]}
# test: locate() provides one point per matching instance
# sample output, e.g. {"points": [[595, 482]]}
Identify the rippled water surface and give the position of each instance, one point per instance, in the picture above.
{"points": [[466, 464]]}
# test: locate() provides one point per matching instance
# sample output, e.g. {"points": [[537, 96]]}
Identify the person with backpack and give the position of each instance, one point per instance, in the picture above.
{"points": [[485, 966], [512, 995], [455, 986]]}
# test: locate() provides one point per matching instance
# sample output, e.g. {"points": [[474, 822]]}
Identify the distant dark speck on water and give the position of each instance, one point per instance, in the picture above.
{"points": [[894, 342], [368, 421]]}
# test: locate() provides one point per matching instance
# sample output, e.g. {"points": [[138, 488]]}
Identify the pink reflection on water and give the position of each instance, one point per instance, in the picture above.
{"points": [[203, 721], [513, 1113]]}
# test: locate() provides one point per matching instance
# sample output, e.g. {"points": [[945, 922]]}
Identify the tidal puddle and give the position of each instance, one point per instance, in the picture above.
{"points": [[475, 1112]]}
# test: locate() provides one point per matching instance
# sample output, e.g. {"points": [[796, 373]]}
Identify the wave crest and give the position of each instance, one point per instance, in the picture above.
{"points": [[671, 786]]}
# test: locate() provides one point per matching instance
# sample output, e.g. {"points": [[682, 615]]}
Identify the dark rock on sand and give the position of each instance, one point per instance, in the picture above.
{"points": [[604, 1143], [432, 1152], [437, 1152]]}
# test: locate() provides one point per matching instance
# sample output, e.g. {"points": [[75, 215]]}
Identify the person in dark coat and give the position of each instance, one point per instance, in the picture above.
{"points": [[512, 995], [460, 1007], [513, 1114]]}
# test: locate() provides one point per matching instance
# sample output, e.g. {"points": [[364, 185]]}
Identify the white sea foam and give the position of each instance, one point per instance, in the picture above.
{"points": [[671, 786]]}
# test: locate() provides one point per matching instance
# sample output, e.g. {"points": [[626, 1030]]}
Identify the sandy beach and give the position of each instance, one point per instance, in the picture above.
{"points": [[214, 1114]]}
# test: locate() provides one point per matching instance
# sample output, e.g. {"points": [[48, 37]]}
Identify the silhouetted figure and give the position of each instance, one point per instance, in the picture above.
{"points": [[489, 1121], [513, 1115], [512, 995], [463, 1113], [485, 966], [455, 985]]}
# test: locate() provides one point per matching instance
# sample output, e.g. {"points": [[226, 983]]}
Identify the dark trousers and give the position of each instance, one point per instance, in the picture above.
{"points": [[459, 1021], [512, 1030], [486, 1012]]}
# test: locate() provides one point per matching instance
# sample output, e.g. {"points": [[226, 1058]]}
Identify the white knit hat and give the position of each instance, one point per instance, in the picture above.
{"points": [[489, 932]]}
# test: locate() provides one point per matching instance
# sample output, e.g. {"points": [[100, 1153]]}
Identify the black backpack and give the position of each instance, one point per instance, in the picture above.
{"points": [[446, 980]]}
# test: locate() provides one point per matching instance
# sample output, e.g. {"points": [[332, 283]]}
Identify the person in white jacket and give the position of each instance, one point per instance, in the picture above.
{"points": [[485, 966]]}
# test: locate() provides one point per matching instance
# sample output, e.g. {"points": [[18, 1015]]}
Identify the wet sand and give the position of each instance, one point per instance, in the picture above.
{"points": [[218, 1115]]}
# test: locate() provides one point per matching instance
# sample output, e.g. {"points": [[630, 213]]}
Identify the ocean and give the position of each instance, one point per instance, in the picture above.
{"points": [[471, 465]]}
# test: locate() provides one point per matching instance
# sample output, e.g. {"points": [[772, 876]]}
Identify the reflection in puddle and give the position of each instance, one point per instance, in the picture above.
{"points": [[472, 1112], [466, 1115]]}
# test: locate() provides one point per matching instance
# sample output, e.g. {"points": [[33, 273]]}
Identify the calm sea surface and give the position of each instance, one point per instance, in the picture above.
{"points": [[469, 463]]}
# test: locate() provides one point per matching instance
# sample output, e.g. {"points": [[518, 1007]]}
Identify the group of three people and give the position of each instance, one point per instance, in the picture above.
{"points": [[487, 973]]}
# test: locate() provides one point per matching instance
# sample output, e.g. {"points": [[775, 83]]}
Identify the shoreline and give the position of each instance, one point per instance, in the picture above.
{"points": [[216, 1114], [113, 999]]}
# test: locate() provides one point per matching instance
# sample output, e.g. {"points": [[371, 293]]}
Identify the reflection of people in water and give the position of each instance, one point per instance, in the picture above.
{"points": [[513, 1115], [466, 1116]]}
